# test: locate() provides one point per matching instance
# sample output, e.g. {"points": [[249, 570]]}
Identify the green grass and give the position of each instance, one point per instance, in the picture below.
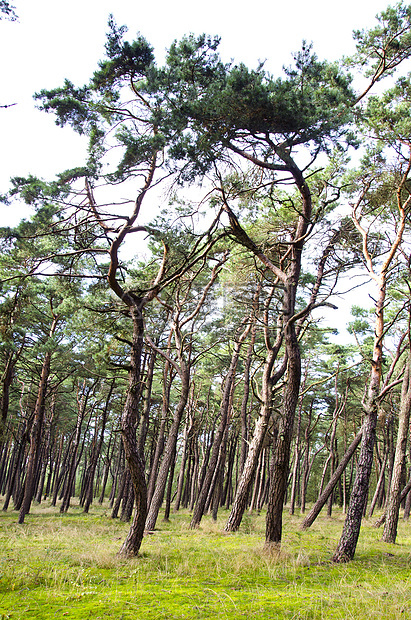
{"points": [[66, 566]]}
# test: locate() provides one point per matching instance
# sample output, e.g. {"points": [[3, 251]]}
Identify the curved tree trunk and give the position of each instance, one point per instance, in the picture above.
{"points": [[244, 485], [346, 547], [132, 543]]}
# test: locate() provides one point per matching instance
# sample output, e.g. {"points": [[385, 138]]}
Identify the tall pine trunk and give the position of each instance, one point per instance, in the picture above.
{"points": [[132, 543], [394, 498], [36, 431], [281, 456]]}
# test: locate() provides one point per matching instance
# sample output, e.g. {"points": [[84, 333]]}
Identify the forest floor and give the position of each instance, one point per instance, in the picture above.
{"points": [[65, 566]]}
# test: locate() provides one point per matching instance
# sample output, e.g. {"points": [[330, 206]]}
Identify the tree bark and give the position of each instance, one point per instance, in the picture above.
{"points": [[254, 450], [74, 458], [348, 542], [281, 457], [36, 430], [96, 452], [394, 498], [132, 543], [169, 450], [316, 509], [218, 437]]}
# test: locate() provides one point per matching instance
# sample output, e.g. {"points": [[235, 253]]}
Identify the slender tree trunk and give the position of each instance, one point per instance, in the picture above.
{"points": [[160, 441], [59, 468], [169, 450], [117, 474], [36, 430], [246, 479], [47, 461], [244, 403], [281, 456], [170, 480], [6, 382], [144, 419], [218, 437], [227, 493], [346, 547], [254, 450], [380, 484], [394, 498], [127, 502], [74, 459], [257, 483], [122, 492], [297, 456], [16, 463], [184, 455], [132, 543], [316, 509], [348, 542], [4, 462], [97, 451]]}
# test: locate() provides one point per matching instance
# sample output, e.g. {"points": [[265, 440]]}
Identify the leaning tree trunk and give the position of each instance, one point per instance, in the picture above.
{"points": [[316, 509], [254, 450], [16, 462], [348, 542], [346, 547], [281, 456]]}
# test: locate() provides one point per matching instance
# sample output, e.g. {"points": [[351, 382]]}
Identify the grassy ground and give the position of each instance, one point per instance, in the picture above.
{"points": [[66, 566]]}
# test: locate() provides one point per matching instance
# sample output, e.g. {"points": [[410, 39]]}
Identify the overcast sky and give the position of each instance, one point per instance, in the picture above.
{"points": [[56, 40], [53, 40]]}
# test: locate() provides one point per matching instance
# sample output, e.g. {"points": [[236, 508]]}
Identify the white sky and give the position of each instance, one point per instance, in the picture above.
{"points": [[53, 40]]}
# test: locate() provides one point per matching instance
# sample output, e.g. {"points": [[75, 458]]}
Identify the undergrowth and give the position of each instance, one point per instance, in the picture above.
{"points": [[67, 565]]}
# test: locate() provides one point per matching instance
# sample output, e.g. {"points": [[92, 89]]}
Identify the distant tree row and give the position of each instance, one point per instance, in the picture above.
{"points": [[197, 374]]}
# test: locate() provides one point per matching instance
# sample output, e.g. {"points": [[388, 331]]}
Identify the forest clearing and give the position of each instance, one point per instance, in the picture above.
{"points": [[205, 338], [67, 566]]}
